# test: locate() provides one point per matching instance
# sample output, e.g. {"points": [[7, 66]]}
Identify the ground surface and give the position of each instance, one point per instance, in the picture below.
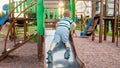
{"points": [[97, 55], [23, 57], [93, 54]]}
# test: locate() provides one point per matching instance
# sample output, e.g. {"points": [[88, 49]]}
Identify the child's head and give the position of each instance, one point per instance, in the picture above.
{"points": [[67, 13]]}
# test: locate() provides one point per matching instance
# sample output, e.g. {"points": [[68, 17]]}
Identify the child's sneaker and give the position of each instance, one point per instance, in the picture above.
{"points": [[50, 58], [67, 53]]}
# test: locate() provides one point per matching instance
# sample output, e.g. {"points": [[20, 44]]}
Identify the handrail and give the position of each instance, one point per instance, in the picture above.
{"points": [[11, 12], [13, 24], [17, 46]]}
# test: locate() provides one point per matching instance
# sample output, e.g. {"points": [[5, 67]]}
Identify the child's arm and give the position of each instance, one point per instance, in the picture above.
{"points": [[73, 26]]}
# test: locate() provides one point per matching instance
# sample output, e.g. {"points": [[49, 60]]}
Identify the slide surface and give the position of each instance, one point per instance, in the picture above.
{"points": [[58, 54], [3, 18], [87, 27]]}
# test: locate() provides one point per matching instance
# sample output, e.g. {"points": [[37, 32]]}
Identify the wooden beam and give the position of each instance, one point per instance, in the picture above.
{"points": [[101, 18], [2, 56], [41, 50], [93, 14], [115, 20], [105, 21]]}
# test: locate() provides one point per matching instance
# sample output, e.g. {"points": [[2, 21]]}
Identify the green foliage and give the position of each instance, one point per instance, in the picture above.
{"points": [[32, 15], [2, 14]]}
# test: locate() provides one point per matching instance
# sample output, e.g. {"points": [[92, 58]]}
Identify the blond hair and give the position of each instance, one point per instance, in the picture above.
{"points": [[67, 13]]}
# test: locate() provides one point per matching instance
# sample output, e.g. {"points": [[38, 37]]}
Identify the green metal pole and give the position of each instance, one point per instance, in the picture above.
{"points": [[40, 17], [72, 8]]}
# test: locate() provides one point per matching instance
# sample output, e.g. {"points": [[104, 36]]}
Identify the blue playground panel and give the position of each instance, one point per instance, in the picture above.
{"points": [[86, 29]]}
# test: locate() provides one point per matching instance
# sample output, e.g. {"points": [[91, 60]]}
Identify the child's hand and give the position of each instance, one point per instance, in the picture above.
{"points": [[73, 31]]}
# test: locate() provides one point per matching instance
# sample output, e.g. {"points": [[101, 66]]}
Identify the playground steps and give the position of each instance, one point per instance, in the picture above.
{"points": [[17, 45]]}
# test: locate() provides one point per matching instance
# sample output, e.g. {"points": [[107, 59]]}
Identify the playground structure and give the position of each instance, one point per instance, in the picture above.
{"points": [[114, 18], [103, 9], [19, 16], [26, 8], [92, 24]]}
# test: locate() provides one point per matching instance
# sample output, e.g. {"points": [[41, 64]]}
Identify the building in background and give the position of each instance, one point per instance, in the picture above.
{"points": [[83, 8], [2, 2]]}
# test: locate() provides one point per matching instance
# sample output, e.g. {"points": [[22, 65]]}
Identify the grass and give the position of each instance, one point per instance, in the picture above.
{"points": [[31, 30], [20, 30], [96, 31], [1, 35]]}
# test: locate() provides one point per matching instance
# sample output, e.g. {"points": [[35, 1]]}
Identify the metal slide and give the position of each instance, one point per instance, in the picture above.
{"points": [[58, 54]]}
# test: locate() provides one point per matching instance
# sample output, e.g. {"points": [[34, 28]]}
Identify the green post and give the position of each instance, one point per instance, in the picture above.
{"points": [[20, 5], [48, 13], [28, 3], [53, 14], [40, 31], [17, 8], [72, 8], [57, 13], [33, 7], [40, 17], [68, 5], [44, 13], [24, 5]]}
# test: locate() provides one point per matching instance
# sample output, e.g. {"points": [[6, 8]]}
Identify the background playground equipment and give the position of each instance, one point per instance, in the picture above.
{"points": [[4, 15], [107, 17], [15, 43], [91, 26], [118, 25], [111, 17], [22, 11]]}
